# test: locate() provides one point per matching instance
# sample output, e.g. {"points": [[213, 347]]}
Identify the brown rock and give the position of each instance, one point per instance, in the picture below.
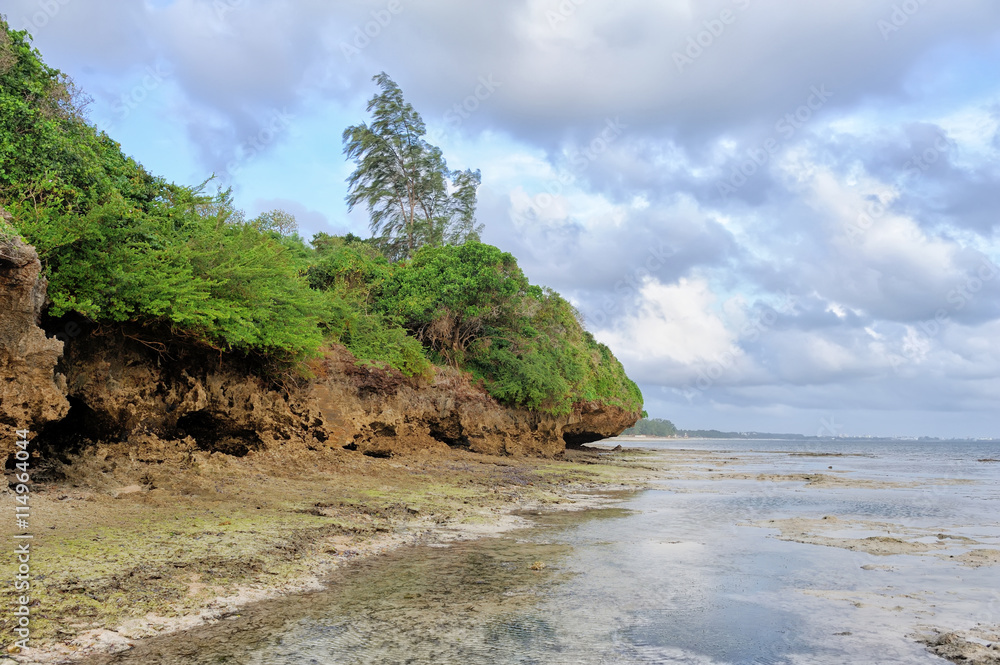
{"points": [[128, 388], [32, 393], [593, 421]]}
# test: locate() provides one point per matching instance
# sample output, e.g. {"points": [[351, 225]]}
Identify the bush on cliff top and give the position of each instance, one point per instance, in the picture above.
{"points": [[121, 245], [351, 272], [472, 307]]}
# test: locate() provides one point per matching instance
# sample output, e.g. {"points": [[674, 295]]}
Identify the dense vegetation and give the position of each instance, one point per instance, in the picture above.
{"points": [[469, 306], [120, 245], [652, 427], [716, 434]]}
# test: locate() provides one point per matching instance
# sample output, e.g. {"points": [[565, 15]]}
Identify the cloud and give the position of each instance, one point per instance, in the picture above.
{"points": [[674, 330], [771, 211]]}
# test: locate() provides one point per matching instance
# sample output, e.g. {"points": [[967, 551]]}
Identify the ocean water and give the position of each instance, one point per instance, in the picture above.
{"points": [[691, 571]]}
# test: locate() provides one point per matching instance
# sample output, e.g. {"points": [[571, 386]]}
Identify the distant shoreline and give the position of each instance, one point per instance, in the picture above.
{"points": [[732, 436]]}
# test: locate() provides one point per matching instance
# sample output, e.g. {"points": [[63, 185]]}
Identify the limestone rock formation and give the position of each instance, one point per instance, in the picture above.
{"points": [[136, 385], [124, 389], [32, 392]]}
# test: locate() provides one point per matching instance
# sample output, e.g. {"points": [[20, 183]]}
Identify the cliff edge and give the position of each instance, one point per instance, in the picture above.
{"points": [[129, 385], [125, 388], [32, 392]]}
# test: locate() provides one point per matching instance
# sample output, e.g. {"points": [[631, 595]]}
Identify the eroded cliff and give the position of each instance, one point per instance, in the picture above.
{"points": [[131, 385], [32, 392], [129, 388]]}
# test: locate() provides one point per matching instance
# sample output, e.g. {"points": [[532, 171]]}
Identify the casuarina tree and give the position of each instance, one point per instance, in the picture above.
{"points": [[412, 198]]}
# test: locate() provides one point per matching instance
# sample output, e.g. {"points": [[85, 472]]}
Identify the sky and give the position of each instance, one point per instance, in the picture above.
{"points": [[781, 216]]}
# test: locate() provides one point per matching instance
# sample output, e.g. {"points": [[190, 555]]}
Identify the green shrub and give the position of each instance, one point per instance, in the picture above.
{"points": [[473, 308], [120, 245], [353, 272]]}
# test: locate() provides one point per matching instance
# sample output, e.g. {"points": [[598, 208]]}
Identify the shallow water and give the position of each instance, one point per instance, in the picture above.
{"points": [[677, 575]]}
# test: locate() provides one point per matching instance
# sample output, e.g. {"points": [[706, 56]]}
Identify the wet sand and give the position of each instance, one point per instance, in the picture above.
{"points": [[129, 550]]}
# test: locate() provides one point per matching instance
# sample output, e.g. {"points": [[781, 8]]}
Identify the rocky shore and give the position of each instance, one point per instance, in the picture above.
{"points": [[131, 548], [173, 484]]}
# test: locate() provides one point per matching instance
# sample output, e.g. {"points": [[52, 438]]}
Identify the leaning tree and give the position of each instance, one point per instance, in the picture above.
{"points": [[413, 199]]}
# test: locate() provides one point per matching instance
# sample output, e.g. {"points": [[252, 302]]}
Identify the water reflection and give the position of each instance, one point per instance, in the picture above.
{"points": [[466, 603], [676, 577]]}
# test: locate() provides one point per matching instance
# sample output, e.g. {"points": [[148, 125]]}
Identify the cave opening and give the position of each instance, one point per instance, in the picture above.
{"points": [[58, 441], [450, 431], [577, 439], [215, 435]]}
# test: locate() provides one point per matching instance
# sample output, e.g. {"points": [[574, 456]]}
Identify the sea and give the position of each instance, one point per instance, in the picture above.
{"points": [[703, 568]]}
